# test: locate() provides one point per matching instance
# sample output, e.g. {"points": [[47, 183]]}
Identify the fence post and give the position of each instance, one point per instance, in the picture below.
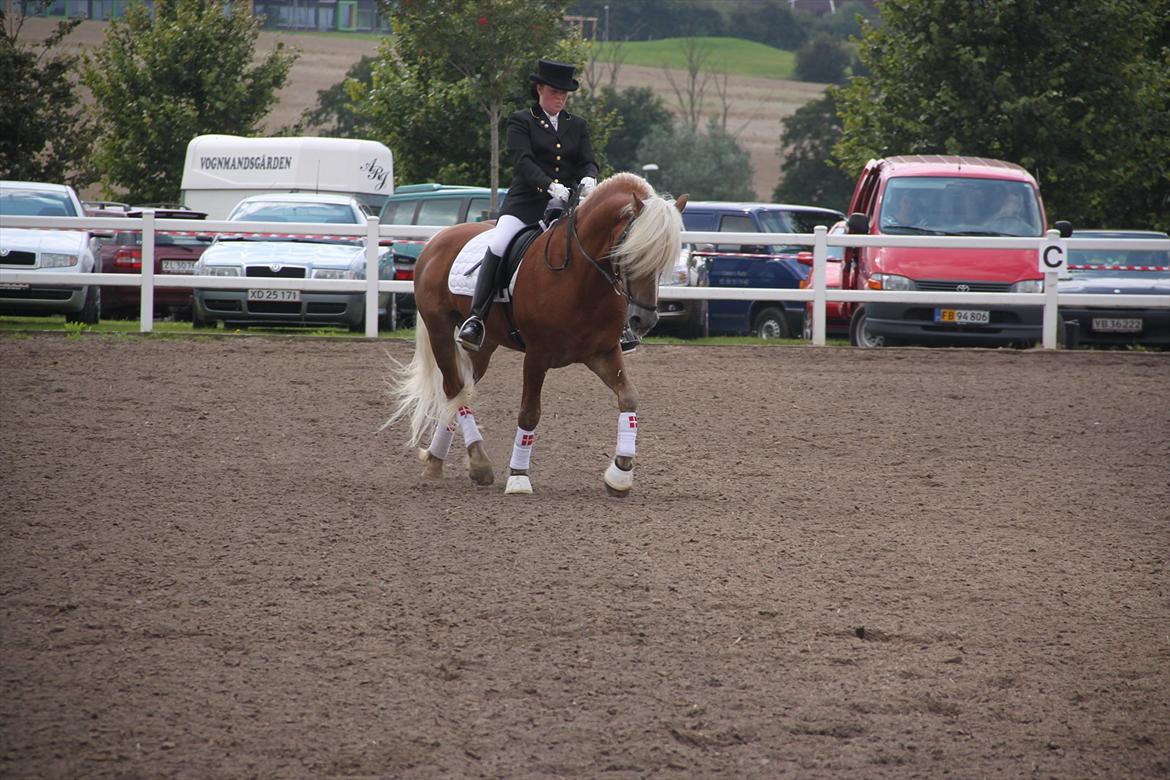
{"points": [[1051, 310], [372, 277], [146, 292], [820, 257]]}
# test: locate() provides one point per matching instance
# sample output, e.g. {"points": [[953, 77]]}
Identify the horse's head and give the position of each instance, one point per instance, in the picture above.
{"points": [[642, 239]]}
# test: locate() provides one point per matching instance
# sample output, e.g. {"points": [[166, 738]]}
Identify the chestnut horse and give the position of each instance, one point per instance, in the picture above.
{"points": [[574, 290]]}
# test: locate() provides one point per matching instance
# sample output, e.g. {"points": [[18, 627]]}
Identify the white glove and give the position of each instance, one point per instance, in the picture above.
{"points": [[587, 185], [559, 192]]}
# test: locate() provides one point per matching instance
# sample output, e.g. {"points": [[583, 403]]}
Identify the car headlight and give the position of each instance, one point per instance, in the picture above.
{"points": [[57, 260], [1028, 286], [222, 270], [333, 273], [891, 282]]}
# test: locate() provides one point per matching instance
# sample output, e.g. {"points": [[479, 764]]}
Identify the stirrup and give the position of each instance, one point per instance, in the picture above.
{"points": [[629, 340], [471, 334]]}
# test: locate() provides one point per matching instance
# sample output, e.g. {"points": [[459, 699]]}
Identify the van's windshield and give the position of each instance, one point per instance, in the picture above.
{"points": [[956, 206]]}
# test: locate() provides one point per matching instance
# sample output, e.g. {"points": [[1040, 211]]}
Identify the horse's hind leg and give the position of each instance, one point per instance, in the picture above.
{"points": [[619, 477], [436, 454], [479, 468]]}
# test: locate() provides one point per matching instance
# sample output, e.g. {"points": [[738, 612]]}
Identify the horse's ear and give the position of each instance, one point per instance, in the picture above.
{"points": [[637, 204], [680, 202]]}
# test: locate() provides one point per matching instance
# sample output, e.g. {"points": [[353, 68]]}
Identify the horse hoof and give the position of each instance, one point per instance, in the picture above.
{"points": [[482, 476], [618, 482], [518, 483]]}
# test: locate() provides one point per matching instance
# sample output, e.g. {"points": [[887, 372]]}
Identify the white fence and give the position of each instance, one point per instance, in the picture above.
{"points": [[373, 233]]}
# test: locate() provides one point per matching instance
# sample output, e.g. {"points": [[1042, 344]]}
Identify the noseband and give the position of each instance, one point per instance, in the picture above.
{"points": [[613, 273]]}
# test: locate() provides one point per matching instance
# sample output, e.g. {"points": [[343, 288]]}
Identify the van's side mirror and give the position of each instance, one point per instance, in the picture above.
{"points": [[804, 258], [1064, 227], [858, 223]]}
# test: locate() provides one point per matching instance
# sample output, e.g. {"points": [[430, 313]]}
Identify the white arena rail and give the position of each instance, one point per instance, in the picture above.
{"points": [[373, 232]]}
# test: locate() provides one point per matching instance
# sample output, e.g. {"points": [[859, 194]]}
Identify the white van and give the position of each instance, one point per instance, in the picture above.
{"points": [[222, 170]]}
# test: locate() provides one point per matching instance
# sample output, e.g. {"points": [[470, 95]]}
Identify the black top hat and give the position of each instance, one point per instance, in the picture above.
{"points": [[556, 74]]}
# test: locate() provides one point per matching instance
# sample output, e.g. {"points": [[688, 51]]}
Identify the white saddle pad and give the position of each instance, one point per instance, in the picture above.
{"points": [[460, 283]]}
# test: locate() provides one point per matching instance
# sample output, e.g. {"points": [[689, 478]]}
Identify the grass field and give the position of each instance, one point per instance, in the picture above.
{"points": [[15, 326], [732, 56]]}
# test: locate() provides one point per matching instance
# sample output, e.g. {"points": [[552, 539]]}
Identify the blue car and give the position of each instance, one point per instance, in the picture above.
{"points": [[1118, 272], [761, 266]]}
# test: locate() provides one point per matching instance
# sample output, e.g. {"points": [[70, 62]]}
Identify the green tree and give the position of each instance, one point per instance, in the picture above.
{"points": [[823, 59], [806, 147], [158, 82], [44, 135], [1076, 91], [451, 54], [334, 114], [639, 111], [707, 166]]}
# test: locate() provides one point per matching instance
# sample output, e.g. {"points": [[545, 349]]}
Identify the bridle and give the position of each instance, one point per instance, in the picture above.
{"points": [[612, 272]]}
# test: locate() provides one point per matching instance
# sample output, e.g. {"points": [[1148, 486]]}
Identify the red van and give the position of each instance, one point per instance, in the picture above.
{"points": [[934, 195]]}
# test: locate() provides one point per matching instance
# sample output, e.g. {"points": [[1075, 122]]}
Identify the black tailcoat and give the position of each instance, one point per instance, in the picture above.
{"points": [[541, 155]]}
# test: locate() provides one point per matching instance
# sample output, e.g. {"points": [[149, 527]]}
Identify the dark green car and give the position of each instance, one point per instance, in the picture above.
{"points": [[437, 205]]}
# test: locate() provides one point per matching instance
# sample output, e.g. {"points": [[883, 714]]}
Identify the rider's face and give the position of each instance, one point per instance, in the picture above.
{"points": [[552, 100]]}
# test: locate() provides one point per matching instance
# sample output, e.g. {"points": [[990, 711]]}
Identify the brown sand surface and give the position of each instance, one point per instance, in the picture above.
{"points": [[835, 563], [756, 107]]}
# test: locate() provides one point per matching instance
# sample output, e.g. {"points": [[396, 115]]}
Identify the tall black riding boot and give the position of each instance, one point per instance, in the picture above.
{"points": [[471, 333]]}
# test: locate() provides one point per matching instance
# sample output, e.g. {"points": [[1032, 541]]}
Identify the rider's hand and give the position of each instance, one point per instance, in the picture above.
{"points": [[558, 191], [587, 185]]}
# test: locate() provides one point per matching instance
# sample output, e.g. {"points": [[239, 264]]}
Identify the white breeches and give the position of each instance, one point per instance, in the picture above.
{"points": [[502, 234]]}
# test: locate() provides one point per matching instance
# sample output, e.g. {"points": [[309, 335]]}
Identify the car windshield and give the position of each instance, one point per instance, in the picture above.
{"points": [[134, 238], [295, 211], [956, 206], [789, 221], [35, 203], [1112, 259]]}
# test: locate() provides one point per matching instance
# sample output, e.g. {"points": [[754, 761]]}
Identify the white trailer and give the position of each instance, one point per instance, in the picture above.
{"points": [[221, 170]]}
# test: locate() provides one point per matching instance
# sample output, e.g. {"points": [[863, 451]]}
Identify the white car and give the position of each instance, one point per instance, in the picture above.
{"points": [[286, 256], [46, 250]]}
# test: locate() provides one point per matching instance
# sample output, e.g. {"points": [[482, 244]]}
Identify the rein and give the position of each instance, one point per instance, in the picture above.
{"points": [[619, 281]]}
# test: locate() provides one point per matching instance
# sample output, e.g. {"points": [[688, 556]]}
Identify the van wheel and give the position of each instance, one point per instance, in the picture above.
{"points": [[697, 327], [771, 323], [859, 335], [91, 310]]}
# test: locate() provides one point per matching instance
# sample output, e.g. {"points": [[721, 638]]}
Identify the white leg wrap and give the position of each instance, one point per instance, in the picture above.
{"points": [[441, 441], [627, 434], [471, 432], [522, 449]]}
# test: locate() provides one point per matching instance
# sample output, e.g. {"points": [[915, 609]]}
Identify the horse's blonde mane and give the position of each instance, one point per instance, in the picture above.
{"points": [[655, 239]]}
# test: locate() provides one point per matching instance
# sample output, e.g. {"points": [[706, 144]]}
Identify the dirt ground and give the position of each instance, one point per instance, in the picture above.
{"points": [[835, 563], [757, 106]]}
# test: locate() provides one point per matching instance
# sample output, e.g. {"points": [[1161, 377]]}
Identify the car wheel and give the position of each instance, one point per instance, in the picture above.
{"points": [[90, 313], [859, 335], [697, 326], [199, 321], [770, 323]]}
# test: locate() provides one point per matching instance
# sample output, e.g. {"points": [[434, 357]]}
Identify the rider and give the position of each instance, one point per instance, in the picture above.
{"points": [[550, 153]]}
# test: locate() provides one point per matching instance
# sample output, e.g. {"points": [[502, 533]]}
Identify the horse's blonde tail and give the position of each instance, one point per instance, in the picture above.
{"points": [[418, 388]]}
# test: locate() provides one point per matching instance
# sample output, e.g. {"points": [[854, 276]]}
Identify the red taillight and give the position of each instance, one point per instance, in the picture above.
{"points": [[128, 258], [404, 274]]}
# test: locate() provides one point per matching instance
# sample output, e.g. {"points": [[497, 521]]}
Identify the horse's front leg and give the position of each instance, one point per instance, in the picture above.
{"points": [[619, 477], [526, 422]]}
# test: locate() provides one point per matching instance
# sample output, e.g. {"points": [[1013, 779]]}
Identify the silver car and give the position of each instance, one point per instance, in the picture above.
{"points": [[51, 251], [281, 255]]}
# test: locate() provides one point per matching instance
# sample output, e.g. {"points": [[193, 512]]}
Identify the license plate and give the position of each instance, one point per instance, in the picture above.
{"points": [[178, 266], [284, 296], [1117, 324], [963, 316], [14, 286]]}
